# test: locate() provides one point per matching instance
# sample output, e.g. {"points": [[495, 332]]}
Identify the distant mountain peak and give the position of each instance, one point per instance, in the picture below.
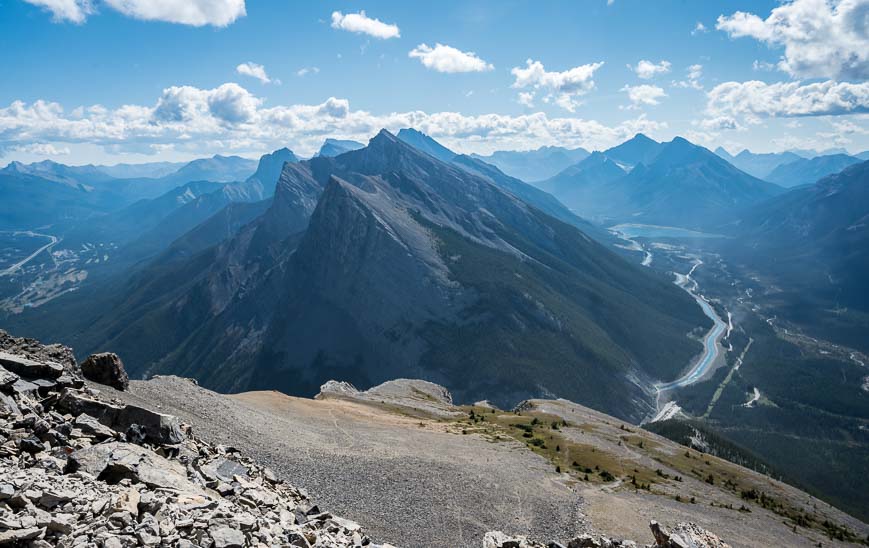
{"points": [[426, 144], [335, 147], [270, 165], [385, 134], [410, 131], [640, 149], [721, 151]]}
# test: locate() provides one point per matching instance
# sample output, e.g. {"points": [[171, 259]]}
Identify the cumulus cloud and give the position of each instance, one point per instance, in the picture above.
{"points": [[444, 58], [848, 127], [562, 88], [694, 73], [41, 149], [74, 11], [647, 69], [227, 104], [754, 99], [699, 28], [197, 13], [526, 98], [229, 117], [821, 38], [362, 24], [719, 123], [643, 94], [255, 71]]}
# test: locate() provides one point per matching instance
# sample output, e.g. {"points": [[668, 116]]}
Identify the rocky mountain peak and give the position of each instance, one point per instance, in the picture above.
{"points": [[426, 144]]}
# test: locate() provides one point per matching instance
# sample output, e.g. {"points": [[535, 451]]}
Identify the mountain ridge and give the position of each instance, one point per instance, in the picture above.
{"points": [[346, 236]]}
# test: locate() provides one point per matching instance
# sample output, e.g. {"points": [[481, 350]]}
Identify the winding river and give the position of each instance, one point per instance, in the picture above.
{"points": [[711, 348], [712, 339]]}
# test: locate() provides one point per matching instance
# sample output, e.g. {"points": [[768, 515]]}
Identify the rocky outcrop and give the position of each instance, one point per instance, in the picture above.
{"points": [[77, 470], [34, 350], [412, 394], [684, 535], [106, 368]]}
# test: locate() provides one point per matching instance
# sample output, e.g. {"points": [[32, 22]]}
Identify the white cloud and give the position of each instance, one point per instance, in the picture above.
{"points": [[304, 71], [694, 73], [444, 58], [74, 11], [255, 71], [362, 24], [818, 141], [762, 66], [699, 28], [754, 99], [526, 98], [218, 13], [849, 127], [228, 104], [643, 94], [821, 38], [228, 117], [647, 69], [41, 149], [562, 88], [719, 123]]}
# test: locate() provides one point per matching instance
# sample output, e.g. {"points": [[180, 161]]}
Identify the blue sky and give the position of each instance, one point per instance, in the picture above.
{"points": [[93, 82]]}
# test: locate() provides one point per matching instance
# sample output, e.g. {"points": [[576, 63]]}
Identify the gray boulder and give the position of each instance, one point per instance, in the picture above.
{"points": [[158, 428], [114, 461]]}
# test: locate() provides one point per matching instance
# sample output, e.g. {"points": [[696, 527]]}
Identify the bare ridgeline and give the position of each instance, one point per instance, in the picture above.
{"points": [[80, 469]]}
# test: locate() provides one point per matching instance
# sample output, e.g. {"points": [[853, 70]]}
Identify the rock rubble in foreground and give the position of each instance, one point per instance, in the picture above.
{"points": [[76, 470]]}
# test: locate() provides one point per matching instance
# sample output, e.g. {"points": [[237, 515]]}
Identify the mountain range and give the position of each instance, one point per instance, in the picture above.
{"points": [[675, 184], [48, 193], [805, 171], [758, 165], [814, 240], [534, 165], [386, 262], [403, 258]]}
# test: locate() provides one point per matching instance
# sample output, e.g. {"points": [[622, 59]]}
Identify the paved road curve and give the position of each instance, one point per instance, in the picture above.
{"points": [[52, 241]]}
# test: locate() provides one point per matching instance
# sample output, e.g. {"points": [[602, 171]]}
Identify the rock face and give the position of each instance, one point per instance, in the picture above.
{"points": [[76, 470], [106, 368], [685, 535]]}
